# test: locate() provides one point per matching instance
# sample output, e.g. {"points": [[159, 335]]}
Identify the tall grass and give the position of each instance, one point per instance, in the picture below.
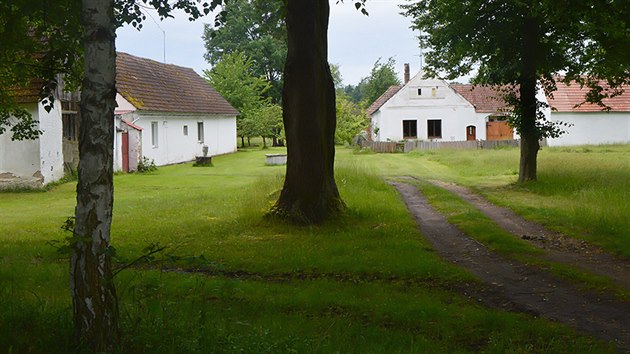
{"points": [[581, 191]]}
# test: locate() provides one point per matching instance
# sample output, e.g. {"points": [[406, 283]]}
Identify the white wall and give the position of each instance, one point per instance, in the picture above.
{"points": [[592, 128], [50, 143], [437, 101], [174, 147], [20, 158], [41, 158]]}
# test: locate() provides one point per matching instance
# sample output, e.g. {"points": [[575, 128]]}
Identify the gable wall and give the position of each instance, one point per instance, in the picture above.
{"points": [[446, 105]]}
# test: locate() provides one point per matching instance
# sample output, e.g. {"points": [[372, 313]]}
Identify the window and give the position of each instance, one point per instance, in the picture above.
{"points": [[200, 132], [410, 129], [434, 128], [419, 92], [434, 91], [185, 130], [154, 134], [70, 126], [70, 120]]}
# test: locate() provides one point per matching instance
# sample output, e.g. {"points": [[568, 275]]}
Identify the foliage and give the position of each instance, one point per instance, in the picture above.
{"points": [[38, 42], [351, 120], [255, 28], [382, 76], [335, 72], [267, 122], [234, 78], [146, 165]]}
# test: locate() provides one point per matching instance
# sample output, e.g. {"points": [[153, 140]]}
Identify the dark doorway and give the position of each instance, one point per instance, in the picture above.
{"points": [[125, 151]]}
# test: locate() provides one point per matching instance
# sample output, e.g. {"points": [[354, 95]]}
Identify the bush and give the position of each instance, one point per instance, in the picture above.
{"points": [[146, 165]]}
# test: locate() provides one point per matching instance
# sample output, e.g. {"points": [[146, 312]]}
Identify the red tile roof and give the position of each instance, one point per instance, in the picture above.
{"points": [[153, 86], [376, 105], [485, 99], [567, 97]]}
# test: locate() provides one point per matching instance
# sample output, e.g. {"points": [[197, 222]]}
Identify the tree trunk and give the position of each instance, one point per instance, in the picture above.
{"points": [[529, 104], [264, 142], [249, 141], [309, 194], [94, 303], [274, 141]]}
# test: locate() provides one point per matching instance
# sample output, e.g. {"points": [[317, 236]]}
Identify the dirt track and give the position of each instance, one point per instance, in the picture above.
{"points": [[528, 287]]}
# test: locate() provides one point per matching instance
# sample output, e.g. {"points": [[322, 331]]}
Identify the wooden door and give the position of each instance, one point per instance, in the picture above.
{"points": [[471, 133], [499, 130], [125, 151]]}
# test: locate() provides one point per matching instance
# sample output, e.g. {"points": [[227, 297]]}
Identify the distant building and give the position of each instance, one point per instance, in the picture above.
{"points": [[590, 123], [432, 109]]}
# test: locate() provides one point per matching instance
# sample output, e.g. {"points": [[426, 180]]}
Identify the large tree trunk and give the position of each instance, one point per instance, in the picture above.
{"points": [[528, 102], [309, 194], [94, 302]]}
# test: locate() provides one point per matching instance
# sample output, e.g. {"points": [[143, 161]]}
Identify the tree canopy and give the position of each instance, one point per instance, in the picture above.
{"points": [[39, 41], [255, 28], [382, 76], [524, 44]]}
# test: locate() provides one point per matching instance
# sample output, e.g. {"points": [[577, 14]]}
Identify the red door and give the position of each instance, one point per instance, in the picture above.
{"points": [[471, 133], [125, 151]]}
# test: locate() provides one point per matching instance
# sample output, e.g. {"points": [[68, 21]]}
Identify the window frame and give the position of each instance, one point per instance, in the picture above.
{"points": [[155, 141], [200, 132], [431, 129], [410, 126]]}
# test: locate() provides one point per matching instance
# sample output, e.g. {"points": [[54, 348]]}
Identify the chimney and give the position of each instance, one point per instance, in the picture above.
{"points": [[406, 73]]}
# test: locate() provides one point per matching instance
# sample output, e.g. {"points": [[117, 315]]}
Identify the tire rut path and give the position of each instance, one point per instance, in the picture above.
{"points": [[558, 247], [529, 287]]}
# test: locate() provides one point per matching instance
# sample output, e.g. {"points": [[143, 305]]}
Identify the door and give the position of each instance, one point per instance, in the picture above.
{"points": [[125, 151], [498, 129], [471, 133]]}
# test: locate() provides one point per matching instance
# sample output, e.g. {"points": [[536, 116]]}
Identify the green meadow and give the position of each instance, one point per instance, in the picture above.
{"points": [[231, 280]]}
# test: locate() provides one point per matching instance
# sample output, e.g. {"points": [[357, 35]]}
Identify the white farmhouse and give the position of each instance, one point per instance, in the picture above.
{"points": [[590, 124], [165, 112], [431, 109], [168, 113]]}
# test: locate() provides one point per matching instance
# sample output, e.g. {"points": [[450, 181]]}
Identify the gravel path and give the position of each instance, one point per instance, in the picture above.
{"points": [[530, 288]]}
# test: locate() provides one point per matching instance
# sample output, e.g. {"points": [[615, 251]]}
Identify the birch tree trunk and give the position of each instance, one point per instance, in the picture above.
{"points": [[309, 194], [95, 307]]}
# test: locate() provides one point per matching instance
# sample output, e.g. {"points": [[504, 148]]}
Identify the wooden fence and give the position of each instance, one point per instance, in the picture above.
{"points": [[390, 147]]}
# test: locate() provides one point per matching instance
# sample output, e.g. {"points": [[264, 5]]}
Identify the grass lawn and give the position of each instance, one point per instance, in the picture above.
{"points": [[583, 192], [367, 282]]}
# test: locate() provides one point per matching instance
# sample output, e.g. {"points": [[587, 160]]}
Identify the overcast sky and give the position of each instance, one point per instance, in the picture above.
{"points": [[355, 41]]}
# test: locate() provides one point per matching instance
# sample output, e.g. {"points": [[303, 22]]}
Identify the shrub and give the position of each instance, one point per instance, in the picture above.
{"points": [[146, 165]]}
